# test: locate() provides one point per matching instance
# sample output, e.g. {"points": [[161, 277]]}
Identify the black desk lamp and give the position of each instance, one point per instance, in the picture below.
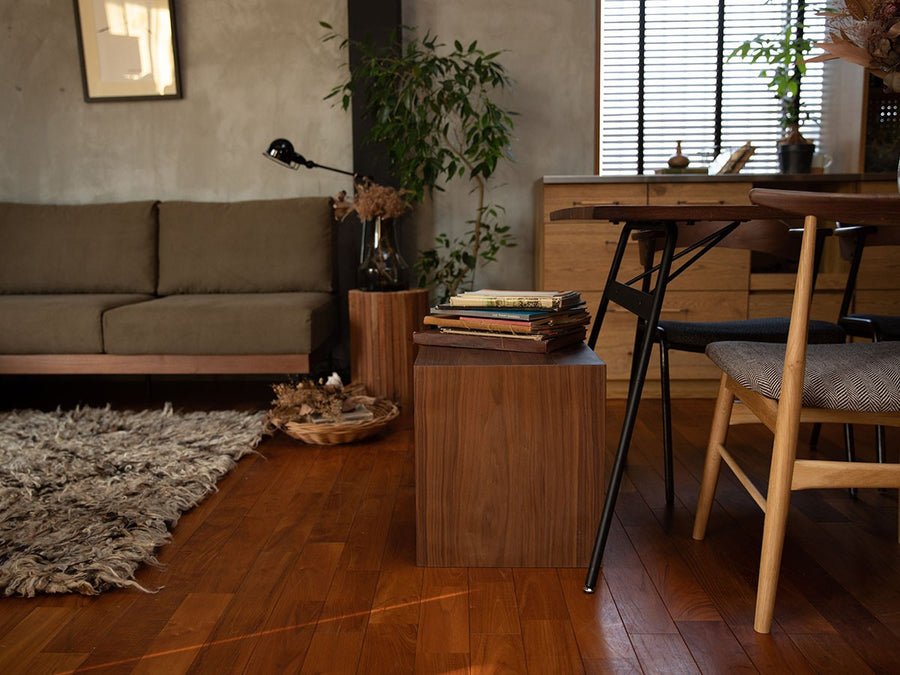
{"points": [[282, 151]]}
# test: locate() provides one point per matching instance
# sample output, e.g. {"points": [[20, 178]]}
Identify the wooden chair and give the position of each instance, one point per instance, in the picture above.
{"points": [[768, 237], [782, 386]]}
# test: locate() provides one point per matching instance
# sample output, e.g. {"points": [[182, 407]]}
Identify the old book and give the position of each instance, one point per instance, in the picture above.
{"points": [[437, 338], [507, 326], [508, 313], [492, 298]]}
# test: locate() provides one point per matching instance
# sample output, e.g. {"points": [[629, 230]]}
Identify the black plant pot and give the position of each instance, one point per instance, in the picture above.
{"points": [[795, 157]]}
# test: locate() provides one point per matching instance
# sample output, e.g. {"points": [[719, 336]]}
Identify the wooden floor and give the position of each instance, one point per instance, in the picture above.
{"points": [[304, 561]]}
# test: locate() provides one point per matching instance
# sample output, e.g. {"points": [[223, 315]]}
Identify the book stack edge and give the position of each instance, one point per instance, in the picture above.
{"points": [[520, 321]]}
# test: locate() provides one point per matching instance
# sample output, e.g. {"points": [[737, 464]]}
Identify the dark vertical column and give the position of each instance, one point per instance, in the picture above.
{"points": [[720, 79], [368, 20], [642, 61], [373, 20]]}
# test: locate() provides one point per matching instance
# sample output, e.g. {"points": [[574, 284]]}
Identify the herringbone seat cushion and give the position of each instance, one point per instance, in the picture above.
{"points": [[859, 376], [693, 336]]}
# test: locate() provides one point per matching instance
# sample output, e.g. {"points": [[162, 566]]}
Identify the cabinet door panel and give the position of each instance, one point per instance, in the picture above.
{"points": [[727, 269], [825, 307], [577, 256], [880, 268], [877, 302]]}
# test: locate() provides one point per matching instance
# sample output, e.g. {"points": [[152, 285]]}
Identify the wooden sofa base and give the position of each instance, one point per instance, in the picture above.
{"points": [[152, 364]]}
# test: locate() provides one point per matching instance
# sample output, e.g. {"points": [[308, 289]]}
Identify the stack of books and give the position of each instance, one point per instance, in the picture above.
{"points": [[521, 321]]}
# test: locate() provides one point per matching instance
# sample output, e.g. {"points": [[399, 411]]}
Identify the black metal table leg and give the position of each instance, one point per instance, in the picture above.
{"points": [[636, 385]]}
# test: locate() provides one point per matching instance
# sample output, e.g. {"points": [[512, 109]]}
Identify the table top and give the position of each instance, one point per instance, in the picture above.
{"points": [[661, 214], [849, 209]]}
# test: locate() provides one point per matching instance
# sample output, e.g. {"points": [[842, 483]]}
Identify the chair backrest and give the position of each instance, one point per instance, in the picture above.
{"points": [[853, 240], [875, 210]]}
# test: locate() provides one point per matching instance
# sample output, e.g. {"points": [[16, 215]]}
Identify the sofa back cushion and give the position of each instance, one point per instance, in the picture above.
{"points": [[263, 246], [80, 248]]}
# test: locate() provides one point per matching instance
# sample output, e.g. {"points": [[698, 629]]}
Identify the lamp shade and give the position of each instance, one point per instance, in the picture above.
{"points": [[282, 151]]}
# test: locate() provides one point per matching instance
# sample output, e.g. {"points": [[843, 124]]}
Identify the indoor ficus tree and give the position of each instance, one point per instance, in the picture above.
{"points": [[431, 107]]}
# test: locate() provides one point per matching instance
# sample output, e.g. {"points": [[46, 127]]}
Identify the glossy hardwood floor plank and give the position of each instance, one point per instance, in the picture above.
{"points": [[304, 561], [664, 653], [599, 630], [30, 636], [444, 612], [493, 608], [185, 634], [550, 647], [714, 647]]}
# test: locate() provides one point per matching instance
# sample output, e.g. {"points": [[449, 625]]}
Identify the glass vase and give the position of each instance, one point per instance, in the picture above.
{"points": [[381, 267]]}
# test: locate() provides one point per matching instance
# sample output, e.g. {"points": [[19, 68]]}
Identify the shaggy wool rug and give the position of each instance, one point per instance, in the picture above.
{"points": [[88, 495]]}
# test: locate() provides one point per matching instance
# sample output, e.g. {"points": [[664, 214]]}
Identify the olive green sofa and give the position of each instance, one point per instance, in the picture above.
{"points": [[166, 287]]}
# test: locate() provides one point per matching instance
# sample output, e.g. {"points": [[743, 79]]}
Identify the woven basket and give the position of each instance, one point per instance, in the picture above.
{"points": [[340, 432]]}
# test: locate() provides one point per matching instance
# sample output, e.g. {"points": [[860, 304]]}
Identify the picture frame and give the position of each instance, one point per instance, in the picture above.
{"points": [[128, 49]]}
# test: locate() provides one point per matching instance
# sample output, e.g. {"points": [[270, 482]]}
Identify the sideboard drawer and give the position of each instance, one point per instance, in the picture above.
{"points": [[567, 195], [699, 193], [577, 255]]}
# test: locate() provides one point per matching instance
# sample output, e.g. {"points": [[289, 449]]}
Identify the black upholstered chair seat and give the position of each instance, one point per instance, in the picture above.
{"points": [[867, 325], [860, 376], [694, 336]]}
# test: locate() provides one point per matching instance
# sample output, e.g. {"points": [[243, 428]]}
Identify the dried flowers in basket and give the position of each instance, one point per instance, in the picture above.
{"points": [[327, 413], [867, 33]]}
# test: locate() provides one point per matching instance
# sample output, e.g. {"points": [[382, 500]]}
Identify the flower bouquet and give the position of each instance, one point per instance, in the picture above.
{"points": [[867, 33]]}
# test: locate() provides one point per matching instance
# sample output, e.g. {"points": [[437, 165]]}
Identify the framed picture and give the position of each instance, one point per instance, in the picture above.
{"points": [[128, 49]]}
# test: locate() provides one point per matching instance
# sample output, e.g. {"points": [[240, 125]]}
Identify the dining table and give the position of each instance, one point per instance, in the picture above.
{"points": [[643, 295]]}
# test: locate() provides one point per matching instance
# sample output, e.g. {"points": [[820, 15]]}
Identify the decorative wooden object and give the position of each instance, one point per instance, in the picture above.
{"points": [[382, 352], [509, 456]]}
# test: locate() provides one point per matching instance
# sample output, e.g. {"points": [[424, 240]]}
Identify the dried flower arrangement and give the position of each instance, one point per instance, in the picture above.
{"points": [[326, 412], [372, 200], [867, 33]]}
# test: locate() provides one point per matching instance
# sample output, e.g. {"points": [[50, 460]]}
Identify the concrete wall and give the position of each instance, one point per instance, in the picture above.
{"points": [[550, 57], [254, 70]]}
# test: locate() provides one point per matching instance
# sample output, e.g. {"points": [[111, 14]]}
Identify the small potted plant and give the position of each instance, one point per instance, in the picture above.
{"points": [[785, 54]]}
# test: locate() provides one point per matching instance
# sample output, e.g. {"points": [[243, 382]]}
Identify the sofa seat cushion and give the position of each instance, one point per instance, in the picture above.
{"points": [[80, 248], [263, 246], [239, 323], [56, 324]]}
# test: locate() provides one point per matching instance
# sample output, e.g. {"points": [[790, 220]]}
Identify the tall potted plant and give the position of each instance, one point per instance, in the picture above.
{"points": [[785, 54], [432, 107]]}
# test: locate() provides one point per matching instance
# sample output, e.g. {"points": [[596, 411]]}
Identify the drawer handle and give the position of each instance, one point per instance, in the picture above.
{"points": [[588, 202], [615, 242], [711, 202]]}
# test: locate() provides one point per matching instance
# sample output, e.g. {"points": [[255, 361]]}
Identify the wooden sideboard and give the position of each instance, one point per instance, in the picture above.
{"points": [[725, 284]]}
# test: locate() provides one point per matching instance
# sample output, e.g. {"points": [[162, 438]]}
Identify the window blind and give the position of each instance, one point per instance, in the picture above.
{"points": [[666, 76]]}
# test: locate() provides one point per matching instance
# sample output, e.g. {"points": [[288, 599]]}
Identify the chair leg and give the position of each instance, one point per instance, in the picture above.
{"points": [[711, 466], [778, 501], [814, 436], [880, 444], [666, 403], [850, 447]]}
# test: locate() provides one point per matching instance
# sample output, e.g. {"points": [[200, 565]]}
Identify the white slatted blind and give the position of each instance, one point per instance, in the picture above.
{"points": [[680, 82]]}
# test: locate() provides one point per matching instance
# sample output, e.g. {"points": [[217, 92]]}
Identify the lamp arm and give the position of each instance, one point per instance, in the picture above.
{"points": [[311, 164]]}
